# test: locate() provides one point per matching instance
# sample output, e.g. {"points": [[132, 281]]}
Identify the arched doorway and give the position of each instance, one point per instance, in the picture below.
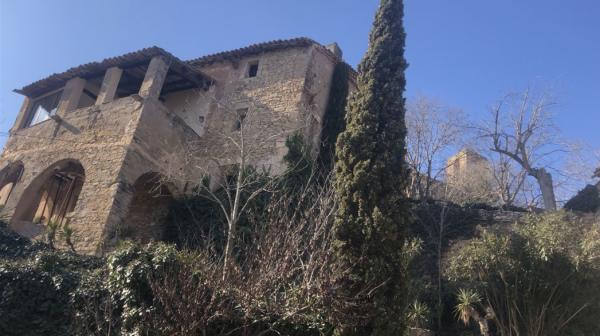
{"points": [[51, 196], [9, 176], [148, 210]]}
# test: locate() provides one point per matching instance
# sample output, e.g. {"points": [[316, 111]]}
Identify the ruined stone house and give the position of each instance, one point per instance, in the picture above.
{"points": [[89, 144]]}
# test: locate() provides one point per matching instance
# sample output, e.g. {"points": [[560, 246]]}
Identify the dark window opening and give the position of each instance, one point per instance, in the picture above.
{"points": [[131, 81], [253, 69], [241, 116], [90, 92], [230, 180], [43, 108]]}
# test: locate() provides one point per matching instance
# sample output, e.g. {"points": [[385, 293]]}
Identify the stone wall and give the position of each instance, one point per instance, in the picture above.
{"points": [[97, 137], [273, 100], [179, 138]]}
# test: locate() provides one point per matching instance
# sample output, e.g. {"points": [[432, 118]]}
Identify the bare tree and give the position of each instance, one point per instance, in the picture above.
{"points": [[243, 177], [433, 130], [508, 177], [238, 165], [286, 275], [522, 129]]}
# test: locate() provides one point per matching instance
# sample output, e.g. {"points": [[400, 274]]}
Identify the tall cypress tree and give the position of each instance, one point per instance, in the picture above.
{"points": [[370, 179]]}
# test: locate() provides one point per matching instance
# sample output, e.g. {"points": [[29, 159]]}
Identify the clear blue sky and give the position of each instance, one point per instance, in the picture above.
{"points": [[467, 53]]}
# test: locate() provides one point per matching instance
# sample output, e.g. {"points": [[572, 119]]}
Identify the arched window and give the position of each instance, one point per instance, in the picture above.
{"points": [[51, 195]]}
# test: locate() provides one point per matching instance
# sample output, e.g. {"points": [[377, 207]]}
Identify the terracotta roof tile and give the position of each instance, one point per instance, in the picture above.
{"points": [[92, 69]]}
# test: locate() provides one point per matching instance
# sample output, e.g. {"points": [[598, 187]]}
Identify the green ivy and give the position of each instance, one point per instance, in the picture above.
{"points": [[333, 120]]}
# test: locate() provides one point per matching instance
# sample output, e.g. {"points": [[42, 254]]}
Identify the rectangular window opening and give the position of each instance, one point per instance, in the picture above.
{"points": [[252, 69], [241, 115], [131, 80], [90, 92], [43, 108]]}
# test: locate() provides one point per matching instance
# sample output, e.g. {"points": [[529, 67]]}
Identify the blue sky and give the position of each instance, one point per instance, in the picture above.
{"points": [[466, 53]]}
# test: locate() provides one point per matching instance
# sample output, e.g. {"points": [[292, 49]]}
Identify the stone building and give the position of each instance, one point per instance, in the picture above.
{"points": [[89, 144], [465, 162], [469, 178]]}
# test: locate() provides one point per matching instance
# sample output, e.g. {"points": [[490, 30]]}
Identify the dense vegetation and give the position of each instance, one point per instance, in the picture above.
{"points": [[370, 179], [586, 200], [541, 278], [279, 287]]}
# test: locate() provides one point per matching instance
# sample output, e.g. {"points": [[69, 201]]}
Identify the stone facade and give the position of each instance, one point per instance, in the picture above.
{"points": [[124, 123], [469, 178], [466, 162]]}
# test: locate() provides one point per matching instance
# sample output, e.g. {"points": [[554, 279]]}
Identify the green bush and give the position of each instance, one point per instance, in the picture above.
{"points": [[138, 290], [37, 286], [542, 279]]}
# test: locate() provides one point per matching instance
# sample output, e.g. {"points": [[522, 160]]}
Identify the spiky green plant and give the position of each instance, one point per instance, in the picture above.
{"points": [[418, 314], [51, 230], [466, 304], [67, 233]]}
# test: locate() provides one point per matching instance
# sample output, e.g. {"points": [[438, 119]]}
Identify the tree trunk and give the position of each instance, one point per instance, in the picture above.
{"points": [[544, 180], [484, 327], [228, 251]]}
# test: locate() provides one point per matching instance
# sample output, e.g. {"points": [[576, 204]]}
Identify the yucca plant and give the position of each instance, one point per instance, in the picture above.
{"points": [[467, 300], [467, 308], [51, 230], [67, 233], [418, 314]]}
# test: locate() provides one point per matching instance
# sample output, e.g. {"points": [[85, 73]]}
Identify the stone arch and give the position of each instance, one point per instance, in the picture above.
{"points": [[9, 177], [148, 211], [51, 196]]}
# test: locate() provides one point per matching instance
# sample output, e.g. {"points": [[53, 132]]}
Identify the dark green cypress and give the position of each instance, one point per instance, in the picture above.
{"points": [[370, 179]]}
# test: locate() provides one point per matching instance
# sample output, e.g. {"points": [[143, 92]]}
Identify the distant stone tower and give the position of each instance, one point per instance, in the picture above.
{"points": [[469, 176], [465, 162]]}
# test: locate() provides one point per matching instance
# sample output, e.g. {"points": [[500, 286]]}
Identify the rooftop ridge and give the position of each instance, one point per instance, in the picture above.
{"points": [[97, 68], [94, 68], [255, 48]]}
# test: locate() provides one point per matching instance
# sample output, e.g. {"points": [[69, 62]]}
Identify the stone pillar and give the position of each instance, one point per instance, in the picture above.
{"points": [[23, 115], [335, 49], [155, 78], [70, 96], [109, 85]]}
